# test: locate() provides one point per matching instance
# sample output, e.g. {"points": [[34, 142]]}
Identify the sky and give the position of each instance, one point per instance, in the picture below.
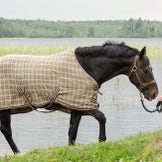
{"points": [[78, 10]]}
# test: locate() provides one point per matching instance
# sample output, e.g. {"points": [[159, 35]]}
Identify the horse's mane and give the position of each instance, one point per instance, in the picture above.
{"points": [[108, 49]]}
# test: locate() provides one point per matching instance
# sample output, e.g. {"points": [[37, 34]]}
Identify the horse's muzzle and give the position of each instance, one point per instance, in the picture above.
{"points": [[151, 92]]}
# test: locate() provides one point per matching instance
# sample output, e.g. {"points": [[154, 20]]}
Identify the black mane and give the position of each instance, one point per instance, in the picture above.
{"points": [[108, 49]]}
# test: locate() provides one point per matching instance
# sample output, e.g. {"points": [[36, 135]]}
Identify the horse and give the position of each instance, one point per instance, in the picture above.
{"points": [[101, 63]]}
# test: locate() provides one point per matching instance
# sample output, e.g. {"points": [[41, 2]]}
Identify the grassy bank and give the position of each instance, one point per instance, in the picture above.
{"points": [[139, 148], [36, 50], [152, 51]]}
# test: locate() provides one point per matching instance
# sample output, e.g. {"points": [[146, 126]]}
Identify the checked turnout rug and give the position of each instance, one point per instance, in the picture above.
{"points": [[38, 77]]}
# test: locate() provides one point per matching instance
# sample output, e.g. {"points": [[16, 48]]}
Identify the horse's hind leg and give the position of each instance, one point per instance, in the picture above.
{"points": [[97, 114], [5, 127], [74, 123]]}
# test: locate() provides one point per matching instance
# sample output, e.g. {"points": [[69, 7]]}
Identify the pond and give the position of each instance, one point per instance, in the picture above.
{"points": [[120, 103]]}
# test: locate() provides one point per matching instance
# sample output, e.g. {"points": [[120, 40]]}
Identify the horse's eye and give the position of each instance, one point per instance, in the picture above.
{"points": [[147, 69]]}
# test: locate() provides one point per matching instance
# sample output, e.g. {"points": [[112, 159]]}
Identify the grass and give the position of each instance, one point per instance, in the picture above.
{"points": [[140, 148], [152, 51], [36, 50]]}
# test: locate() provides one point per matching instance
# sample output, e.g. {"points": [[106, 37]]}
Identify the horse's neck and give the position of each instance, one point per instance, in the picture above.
{"points": [[103, 69]]}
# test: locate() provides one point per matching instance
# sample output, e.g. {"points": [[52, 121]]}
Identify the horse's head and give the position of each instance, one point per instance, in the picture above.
{"points": [[141, 76]]}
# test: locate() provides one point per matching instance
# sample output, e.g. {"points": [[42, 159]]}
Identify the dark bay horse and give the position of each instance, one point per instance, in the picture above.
{"points": [[102, 63]]}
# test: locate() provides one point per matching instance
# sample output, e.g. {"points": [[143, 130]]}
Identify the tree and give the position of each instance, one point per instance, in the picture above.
{"points": [[132, 25], [70, 32], [139, 24], [91, 32]]}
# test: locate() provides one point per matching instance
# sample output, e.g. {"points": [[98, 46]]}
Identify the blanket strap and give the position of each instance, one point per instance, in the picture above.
{"points": [[21, 91]]}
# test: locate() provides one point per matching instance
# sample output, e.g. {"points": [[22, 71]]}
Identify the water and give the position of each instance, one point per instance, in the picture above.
{"points": [[76, 42], [120, 103]]}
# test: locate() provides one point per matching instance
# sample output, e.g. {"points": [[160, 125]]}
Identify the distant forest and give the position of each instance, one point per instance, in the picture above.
{"points": [[80, 29]]}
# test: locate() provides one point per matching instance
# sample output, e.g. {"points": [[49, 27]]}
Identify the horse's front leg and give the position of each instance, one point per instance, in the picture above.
{"points": [[74, 123], [97, 114], [5, 127]]}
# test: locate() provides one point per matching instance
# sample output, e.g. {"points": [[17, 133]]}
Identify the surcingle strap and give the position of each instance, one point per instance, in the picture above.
{"points": [[21, 92]]}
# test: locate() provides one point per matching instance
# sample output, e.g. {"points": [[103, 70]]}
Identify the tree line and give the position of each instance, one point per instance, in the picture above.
{"points": [[80, 29]]}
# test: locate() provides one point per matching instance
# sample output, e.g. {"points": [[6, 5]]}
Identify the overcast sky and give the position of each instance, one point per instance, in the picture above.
{"points": [[81, 9]]}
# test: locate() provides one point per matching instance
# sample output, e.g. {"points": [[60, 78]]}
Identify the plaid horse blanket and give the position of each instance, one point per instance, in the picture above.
{"points": [[37, 77]]}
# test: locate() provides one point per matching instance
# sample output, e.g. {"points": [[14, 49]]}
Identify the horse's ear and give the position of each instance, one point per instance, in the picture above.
{"points": [[143, 52]]}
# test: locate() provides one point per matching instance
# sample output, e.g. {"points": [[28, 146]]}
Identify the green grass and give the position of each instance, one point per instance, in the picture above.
{"points": [[36, 50], [140, 148], [152, 51]]}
